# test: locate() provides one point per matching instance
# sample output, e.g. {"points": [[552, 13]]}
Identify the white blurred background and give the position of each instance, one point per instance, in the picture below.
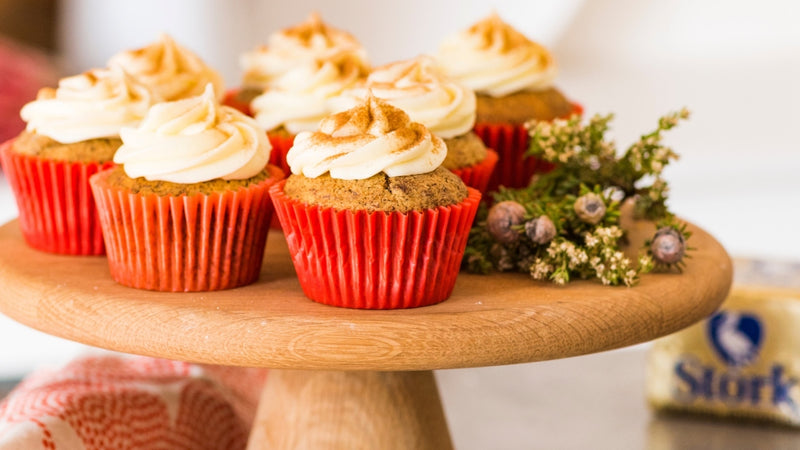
{"points": [[735, 64]]}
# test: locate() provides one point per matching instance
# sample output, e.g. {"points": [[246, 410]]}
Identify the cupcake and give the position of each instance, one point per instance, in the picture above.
{"points": [[187, 208], [172, 72], [445, 107], [371, 218], [513, 79], [299, 99], [287, 49], [72, 132]]}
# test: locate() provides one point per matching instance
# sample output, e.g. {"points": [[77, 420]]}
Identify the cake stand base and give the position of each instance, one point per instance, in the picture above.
{"points": [[302, 409]]}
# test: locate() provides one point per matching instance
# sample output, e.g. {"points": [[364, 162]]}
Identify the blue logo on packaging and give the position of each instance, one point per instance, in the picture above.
{"points": [[736, 337]]}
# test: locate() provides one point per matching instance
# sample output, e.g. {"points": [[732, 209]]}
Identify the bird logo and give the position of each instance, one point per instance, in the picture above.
{"points": [[736, 337]]}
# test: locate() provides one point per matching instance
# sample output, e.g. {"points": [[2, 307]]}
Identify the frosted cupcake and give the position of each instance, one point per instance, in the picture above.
{"points": [[302, 97], [371, 218], [446, 108], [72, 132], [513, 79], [289, 48], [171, 71], [187, 209]]}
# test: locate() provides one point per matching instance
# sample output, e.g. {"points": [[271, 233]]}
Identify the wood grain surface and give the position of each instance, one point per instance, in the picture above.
{"points": [[489, 320], [337, 410]]}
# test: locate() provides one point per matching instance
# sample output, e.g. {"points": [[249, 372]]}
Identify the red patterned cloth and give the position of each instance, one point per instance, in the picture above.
{"points": [[122, 403], [23, 71]]}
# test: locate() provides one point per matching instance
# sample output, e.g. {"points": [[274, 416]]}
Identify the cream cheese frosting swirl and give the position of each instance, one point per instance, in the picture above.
{"points": [[170, 70], [309, 41], [194, 140], [418, 87], [95, 104], [370, 138], [303, 96], [493, 58]]}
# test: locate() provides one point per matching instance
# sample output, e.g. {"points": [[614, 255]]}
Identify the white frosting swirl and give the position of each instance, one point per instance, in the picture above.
{"points": [[418, 87], [493, 58], [363, 141], [303, 96], [171, 71], [309, 41], [194, 140], [95, 104]]}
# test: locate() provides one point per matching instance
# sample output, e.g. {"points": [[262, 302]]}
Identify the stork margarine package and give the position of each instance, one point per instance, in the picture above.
{"points": [[743, 361]]}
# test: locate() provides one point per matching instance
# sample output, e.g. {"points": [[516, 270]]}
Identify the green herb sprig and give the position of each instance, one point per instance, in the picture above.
{"points": [[566, 224]]}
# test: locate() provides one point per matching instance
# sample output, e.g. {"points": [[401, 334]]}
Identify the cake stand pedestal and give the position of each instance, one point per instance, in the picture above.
{"points": [[355, 379]]}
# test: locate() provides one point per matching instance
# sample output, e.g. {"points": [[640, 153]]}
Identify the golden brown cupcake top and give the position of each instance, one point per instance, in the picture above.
{"points": [[120, 179], [520, 107], [493, 58], [463, 151], [368, 139], [379, 192], [99, 150]]}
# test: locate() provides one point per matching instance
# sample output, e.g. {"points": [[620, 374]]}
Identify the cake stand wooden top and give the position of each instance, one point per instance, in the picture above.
{"points": [[489, 320]]}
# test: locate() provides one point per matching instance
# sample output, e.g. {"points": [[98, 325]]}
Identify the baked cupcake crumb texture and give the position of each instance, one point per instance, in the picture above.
{"points": [[93, 150], [379, 192], [118, 178], [463, 151], [520, 107]]}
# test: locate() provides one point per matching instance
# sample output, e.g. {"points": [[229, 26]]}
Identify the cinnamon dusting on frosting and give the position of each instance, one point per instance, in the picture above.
{"points": [[296, 46], [300, 98], [420, 88], [94, 104], [495, 59], [494, 31], [194, 140], [313, 26], [365, 140], [168, 69]]}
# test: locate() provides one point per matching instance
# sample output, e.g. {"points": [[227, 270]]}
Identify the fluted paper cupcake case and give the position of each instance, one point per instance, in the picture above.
{"points": [[57, 212], [231, 98], [185, 243], [281, 143], [477, 176], [514, 170], [375, 260]]}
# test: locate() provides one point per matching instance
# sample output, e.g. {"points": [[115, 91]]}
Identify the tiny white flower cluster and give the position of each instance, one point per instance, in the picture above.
{"points": [[600, 258]]}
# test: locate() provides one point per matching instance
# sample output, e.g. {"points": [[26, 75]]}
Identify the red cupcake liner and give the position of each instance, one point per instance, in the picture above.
{"points": [[514, 170], [377, 260], [57, 212], [185, 243], [231, 98], [477, 176], [281, 143]]}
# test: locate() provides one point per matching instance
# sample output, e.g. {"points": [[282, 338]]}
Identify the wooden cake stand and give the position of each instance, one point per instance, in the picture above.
{"points": [[355, 379]]}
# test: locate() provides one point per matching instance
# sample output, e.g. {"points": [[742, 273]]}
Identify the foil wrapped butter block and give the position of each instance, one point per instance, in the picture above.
{"points": [[743, 361]]}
